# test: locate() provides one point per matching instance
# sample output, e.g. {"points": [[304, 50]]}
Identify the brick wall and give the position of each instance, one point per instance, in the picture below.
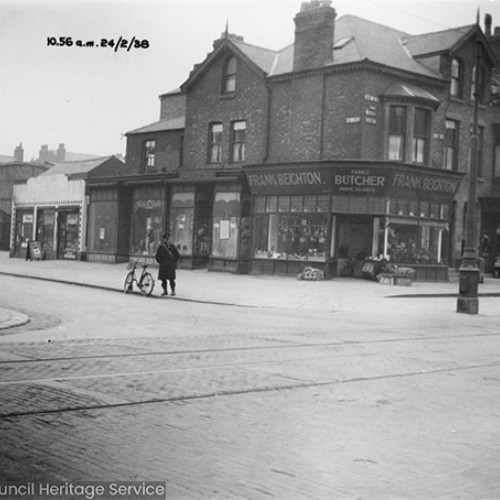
{"points": [[167, 151], [205, 105]]}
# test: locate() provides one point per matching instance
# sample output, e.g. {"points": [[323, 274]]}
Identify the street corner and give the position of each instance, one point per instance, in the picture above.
{"points": [[10, 318]]}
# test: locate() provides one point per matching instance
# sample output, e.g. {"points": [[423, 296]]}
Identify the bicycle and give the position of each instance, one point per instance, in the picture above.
{"points": [[145, 283]]}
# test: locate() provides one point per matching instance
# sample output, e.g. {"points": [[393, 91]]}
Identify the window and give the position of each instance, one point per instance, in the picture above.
{"points": [[421, 131], [456, 84], [291, 227], [215, 152], [229, 76], [451, 135], [149, 156], [103, 213], [226, 224], [238, 133], [397, 133], [408, 134], [181, 222]]}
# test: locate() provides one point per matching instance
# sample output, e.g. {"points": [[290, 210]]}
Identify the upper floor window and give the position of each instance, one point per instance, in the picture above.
{"points": [[238, 133], [397, 133], [215, 143], [149, 156], [421, 133], [457, 78], [408, 134], [229, 76], [451, 140]]}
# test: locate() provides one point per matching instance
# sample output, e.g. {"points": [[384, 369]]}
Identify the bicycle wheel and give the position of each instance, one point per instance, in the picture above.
{"points": [[147, 284], [129, 282]]}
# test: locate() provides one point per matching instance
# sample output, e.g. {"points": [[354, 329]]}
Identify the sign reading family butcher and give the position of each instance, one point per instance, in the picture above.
{"points": [[356, 179]]}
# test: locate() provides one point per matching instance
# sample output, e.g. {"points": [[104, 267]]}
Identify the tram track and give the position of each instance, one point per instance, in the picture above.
{"points": [[338, 343], [226, 393]]}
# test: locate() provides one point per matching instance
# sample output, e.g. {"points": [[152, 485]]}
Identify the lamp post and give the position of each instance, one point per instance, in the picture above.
{"points": [[468, 301]]}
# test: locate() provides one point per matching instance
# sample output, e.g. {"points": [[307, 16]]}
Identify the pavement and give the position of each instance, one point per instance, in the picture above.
{"points": [[241, 290]]}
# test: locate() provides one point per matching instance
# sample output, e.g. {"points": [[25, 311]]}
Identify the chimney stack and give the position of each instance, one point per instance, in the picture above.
{"points": [[61, 153], [314, 30], [19, 153], [488, 20]]}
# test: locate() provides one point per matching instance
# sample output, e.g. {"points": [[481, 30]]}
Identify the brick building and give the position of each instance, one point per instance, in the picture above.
{"points": [[352, 142]]}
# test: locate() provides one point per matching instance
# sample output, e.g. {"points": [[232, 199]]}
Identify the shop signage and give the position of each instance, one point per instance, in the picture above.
{"points": [[416, 182], [294, 181], [380, 181], [27, 218]]}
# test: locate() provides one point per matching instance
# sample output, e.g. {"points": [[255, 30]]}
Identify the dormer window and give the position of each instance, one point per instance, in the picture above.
{"points": [[457, 78], [229, 76]]}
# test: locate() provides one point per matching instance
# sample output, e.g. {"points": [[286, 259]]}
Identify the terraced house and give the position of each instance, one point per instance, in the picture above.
{"points": [[353, 142]]}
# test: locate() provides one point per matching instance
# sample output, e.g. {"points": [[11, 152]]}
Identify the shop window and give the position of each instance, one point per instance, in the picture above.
{"points": [[424, 209], [181, 222], [451, 141], [68, 233], [284, 204], [413, 208], [435, 210], [421, 132], [238, 136], [149, 151], [45, 225], [397, 133], [259, 204], [24, 228], [103, 214], [376, 205], [445, 212], [457, 78], [340, 204], [414, 244], [272, 204], [215, 147], [229, 75], [226, 225], [294, 231], [323, 203], [148, 208]]}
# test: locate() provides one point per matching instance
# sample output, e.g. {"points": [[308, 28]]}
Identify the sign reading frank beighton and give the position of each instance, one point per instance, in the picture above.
{"points": [[383, 180]]}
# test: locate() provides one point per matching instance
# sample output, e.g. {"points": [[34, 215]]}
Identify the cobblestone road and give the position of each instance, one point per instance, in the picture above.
{"points": [[287, 414]]}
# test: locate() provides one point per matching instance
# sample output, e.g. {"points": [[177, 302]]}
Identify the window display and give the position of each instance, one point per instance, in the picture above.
{"points": [[291, 227], [226, 225], [148, 210], [181, 222], [45, 227], [103, 213]]}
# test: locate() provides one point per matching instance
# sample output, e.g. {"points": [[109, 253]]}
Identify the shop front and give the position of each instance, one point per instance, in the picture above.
{"points": [[208, 220], [56, 230], [335, 216]]}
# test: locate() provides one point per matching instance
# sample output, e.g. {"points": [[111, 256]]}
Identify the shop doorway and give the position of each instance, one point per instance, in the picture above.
{"points": [[67, 234], [355, 240]]}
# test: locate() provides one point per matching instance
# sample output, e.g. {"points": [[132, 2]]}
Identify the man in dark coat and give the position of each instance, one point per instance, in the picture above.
{"points": [[168, 257]]}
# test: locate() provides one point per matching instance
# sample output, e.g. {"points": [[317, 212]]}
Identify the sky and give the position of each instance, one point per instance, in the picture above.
{"points": [[89, 97]]}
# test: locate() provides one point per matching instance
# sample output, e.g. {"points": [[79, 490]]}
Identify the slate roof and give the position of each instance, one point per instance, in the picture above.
{"points": [[357, 40], [76, 167], [432, 43], [160, 126]]}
